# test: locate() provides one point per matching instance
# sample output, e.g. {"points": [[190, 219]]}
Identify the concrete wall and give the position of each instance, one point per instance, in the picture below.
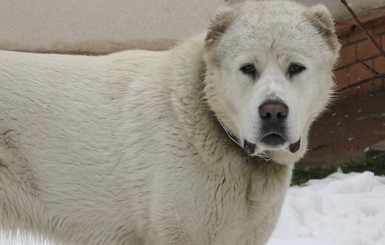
{"points": [[99, 25], [103, 26]]}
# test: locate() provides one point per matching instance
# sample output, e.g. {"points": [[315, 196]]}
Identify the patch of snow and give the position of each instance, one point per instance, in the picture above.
{"points": [[22, 239], [343, 209]]}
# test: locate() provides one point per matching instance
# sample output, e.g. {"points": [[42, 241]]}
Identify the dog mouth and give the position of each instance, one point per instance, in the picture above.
{"points": [[273, 141], [276, 140]]}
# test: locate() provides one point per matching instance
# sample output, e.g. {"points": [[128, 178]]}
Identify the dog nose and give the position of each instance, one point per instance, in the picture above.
{"points": [[273, 112]]}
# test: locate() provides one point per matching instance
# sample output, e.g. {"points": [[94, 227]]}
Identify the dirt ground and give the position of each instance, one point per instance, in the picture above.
{"points": [[346, 129]]}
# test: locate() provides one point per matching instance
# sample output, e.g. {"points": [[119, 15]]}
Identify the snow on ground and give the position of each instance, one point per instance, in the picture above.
{"points": [[18, 239], [343, 209]]}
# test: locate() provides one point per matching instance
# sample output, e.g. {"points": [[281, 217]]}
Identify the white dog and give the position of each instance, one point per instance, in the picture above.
{"points": [[194, 145]]}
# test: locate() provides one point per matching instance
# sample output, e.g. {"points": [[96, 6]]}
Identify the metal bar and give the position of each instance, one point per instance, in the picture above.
{"points": [[376, 74], [363, 29], [357, 84], [370, 68]]}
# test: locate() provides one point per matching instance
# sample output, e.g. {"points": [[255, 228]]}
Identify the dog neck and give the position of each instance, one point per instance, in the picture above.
{"points": [[245, 145]]}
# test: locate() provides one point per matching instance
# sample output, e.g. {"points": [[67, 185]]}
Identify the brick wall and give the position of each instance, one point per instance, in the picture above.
{"points": [[361, 68]]}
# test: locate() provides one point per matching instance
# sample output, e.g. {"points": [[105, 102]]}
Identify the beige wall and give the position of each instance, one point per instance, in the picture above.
{"points": [[102, 25], [98, 25]]}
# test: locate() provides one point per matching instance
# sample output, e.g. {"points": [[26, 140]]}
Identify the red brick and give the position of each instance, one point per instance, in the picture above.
{"points": [[347, 93], [367, 49], [347, 55], [358, 34], [379, 28], [344, 40], [378, 84], [343, 29], [365, 88], [368, 20], [383, 41], [372, 18], [347, 22], [359, 72], [370, 87], [379, 64], [342, 78]]}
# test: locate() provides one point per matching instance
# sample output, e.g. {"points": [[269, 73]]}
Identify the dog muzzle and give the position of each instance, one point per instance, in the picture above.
{"points": [[249, 147]]}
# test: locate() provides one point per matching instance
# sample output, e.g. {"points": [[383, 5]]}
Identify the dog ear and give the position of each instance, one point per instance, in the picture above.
{"points": [[321, 18], [221, 22]]}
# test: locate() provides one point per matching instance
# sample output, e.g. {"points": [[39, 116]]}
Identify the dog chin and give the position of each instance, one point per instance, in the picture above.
{"points": [[261, 147], [282, 145]]}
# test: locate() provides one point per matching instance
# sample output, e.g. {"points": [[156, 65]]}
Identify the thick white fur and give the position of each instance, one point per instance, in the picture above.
{"points": [[126, 148]]}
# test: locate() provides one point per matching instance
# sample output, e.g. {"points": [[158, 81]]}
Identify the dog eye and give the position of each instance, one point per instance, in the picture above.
{"points": [[248, 69], [295, 68]]}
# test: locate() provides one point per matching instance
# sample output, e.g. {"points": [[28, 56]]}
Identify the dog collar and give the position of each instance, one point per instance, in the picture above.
{"points": [[248, 147]]}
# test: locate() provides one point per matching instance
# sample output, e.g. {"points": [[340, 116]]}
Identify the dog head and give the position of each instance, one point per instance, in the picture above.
{"points": [[269, 73]]}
